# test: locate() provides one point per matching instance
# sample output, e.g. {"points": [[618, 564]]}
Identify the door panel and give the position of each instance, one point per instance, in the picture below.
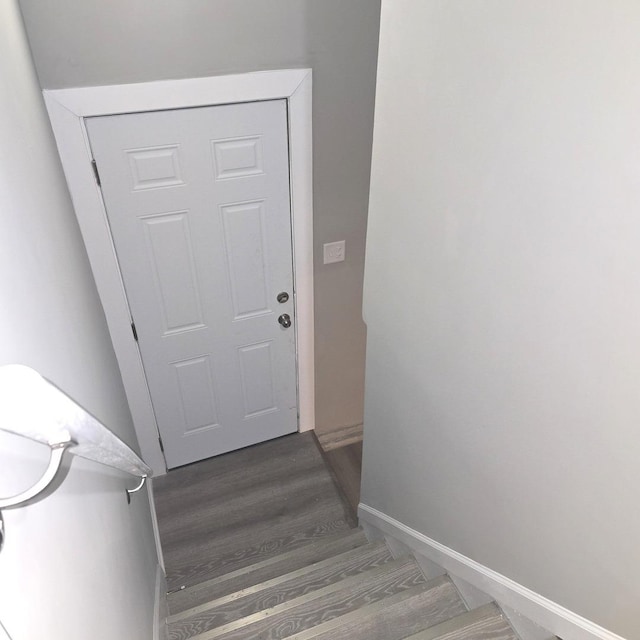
{"points": [[170, 255], [256, 367], [197, 394], [246, 258], [198, 206]]}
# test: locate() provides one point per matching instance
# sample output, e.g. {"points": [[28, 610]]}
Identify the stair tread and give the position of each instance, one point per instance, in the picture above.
{"points": [[214, 516], [265, 570], [324, 604], [206, 558], [277, 590], [484, 623], [394, 617]]}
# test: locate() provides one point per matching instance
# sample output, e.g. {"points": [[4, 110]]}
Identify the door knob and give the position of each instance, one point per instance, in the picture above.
{"points": [[285, 320]]}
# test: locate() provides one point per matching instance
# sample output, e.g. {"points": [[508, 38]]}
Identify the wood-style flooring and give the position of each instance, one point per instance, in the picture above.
{"points": [[245, 506], [334, 438], [258, 546]]}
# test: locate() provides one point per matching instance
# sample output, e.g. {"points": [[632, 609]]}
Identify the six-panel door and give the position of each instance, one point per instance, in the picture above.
{"points": [[198, 205]]}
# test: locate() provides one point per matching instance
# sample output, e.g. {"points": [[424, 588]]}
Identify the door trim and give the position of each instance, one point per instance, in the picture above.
{"points": [[67, 110]]}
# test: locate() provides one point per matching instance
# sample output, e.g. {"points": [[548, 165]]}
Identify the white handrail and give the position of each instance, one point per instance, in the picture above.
{"points": [[32, 407]]}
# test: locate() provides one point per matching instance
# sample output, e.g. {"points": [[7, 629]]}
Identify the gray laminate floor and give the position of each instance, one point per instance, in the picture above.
{"points": [[241, 507], [336, 437], [258, 546]]}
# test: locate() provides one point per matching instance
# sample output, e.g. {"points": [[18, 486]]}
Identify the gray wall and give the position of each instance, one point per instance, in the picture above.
{"points": [[80, 42], [502, 291], [81, 563]]}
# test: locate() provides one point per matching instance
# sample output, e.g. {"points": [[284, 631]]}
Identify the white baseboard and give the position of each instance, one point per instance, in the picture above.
{"points": [[160, 607], [549, 615], [154, 522]]}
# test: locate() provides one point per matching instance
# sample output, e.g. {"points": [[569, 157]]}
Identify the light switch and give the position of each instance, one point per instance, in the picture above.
{"points": [[333, 252]]}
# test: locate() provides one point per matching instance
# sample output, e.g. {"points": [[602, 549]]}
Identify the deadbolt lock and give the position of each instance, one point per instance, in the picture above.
{"points": [[282, 297]]}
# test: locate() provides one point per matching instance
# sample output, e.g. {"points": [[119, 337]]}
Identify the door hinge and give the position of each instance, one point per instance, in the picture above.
{"points": [[161, 444], [134, 331], [95, 172]]}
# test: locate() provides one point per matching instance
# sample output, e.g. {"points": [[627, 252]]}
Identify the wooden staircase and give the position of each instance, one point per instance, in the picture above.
{"points": [[339, 587]]}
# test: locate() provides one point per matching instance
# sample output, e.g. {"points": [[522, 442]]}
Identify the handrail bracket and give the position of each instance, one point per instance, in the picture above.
{"points": [[58, 450], [143, 480]]}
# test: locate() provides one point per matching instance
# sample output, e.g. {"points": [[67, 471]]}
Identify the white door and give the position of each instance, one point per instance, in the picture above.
{"points": [[198, 205]]}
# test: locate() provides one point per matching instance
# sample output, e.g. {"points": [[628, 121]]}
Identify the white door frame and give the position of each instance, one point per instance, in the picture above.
{"points": [[67, 110]]}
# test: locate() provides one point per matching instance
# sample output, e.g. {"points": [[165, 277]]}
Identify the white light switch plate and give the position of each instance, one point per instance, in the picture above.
{"points": [[333, 252]]}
